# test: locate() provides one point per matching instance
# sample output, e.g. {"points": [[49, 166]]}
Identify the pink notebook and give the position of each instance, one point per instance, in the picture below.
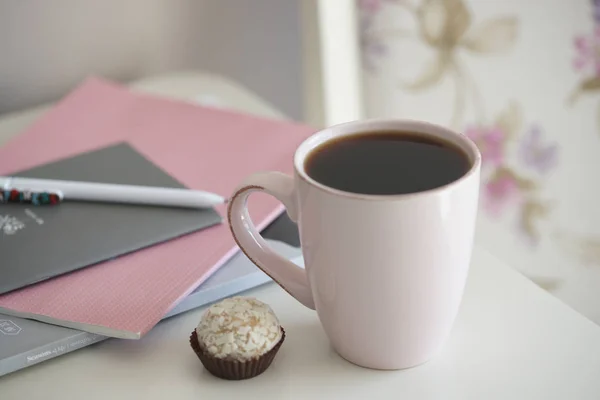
{"points": [[203, 148]]}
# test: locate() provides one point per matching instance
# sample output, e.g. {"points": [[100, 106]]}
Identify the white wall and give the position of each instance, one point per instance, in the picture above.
{"points": [[47, 47]]}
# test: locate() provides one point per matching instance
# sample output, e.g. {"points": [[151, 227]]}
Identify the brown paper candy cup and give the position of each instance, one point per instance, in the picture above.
{"points": [[235, 370]]}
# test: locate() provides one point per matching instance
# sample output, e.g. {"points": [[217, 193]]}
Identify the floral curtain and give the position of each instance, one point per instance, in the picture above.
{"points": [[522, 79]]}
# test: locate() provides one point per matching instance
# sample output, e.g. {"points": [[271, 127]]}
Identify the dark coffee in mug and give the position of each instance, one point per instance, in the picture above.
{"points": [[386, 163]]}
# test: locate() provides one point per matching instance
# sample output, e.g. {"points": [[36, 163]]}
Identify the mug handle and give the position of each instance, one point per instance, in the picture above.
{"points": [[288, 275]]}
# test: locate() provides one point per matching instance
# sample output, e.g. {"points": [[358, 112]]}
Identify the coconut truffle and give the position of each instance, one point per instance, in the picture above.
{"points": [[238, 329]]}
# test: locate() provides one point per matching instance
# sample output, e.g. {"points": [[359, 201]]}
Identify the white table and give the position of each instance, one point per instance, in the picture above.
{"points": [[512, 340]]}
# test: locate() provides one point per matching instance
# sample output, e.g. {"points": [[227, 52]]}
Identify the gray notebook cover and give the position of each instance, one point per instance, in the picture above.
{"points": [[24, 343], [38, 243]]}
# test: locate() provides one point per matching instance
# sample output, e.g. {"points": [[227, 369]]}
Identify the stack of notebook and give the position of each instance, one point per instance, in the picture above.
{"points": [[24, 343], [96, 270]]}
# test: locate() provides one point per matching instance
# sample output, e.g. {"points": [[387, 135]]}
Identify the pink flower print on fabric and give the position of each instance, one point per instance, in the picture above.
{"points": [[587, 59], [498, 193], [489, 141]]}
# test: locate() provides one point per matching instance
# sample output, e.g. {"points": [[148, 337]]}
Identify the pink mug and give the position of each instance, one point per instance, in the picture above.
{"points": [[385, 273]]}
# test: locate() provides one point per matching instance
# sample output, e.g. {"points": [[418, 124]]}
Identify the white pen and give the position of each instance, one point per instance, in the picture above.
{"points": [[14, 188]]}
